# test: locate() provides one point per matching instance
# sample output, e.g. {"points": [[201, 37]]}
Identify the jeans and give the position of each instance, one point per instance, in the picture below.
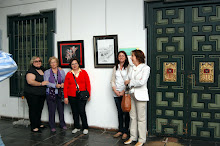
{"points": [[123, 117]]}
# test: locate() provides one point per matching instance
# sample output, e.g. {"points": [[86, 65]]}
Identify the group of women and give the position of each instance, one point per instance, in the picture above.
{"points": [[52, 85], [135, 77], [41, 85]]}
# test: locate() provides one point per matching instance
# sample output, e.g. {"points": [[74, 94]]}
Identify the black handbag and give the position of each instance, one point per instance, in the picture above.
{"points": [[83, 95]]}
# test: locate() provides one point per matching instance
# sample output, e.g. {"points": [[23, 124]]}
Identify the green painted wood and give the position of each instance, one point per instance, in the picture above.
{"points": [[186, 33]]}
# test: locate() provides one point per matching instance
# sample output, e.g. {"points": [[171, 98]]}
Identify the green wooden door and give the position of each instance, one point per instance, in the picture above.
{"points": [[184, 56]]}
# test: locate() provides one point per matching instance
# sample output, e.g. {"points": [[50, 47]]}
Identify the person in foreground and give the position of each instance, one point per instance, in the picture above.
{"points": [[119, 75], [138, 76], [70, 88], [35, 92], [56, 78]]}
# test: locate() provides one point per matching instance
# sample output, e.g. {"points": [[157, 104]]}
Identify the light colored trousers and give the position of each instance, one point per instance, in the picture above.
{"points": [[138, 123]]}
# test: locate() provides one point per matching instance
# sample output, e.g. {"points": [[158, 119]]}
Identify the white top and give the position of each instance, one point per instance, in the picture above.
{"points": [[138, 76], [120, 77]]}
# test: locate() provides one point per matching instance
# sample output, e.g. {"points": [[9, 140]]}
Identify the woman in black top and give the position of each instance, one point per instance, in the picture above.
{"points": [[35, 92]]}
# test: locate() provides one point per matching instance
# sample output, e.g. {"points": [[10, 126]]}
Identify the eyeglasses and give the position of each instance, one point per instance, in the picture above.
{"points": [[37, 61], [74, 64]]}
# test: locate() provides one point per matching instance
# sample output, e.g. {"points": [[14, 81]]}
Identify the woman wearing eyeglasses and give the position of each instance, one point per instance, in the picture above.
{"points": [[76, 79], [35, 92]]}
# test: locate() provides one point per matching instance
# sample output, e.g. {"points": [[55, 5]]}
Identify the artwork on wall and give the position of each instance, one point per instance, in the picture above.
{"points": [[105, 50], [70, 49]]}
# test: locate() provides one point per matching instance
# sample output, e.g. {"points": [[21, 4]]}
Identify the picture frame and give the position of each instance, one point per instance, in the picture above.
{"points": [[105, 50], [70, 49]]}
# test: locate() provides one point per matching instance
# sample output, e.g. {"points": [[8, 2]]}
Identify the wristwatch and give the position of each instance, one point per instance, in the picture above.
{"points": [[40, 83]]}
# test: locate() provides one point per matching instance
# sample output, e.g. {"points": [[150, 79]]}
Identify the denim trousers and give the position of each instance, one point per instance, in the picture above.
{"points": [[123, 117]]}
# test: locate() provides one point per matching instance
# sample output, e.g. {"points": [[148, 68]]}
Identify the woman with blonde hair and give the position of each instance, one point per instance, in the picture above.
{"points": [[56, 78], [35, 92]]}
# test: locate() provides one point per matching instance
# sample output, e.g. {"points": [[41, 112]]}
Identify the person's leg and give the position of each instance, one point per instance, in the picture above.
{"points": [[60, 109], [1, 142], [82, 112], [74, 106], [33, 110], [141, 118], [52, 109], [120, 113], [133, 118], [41, 100], [127, 122]]}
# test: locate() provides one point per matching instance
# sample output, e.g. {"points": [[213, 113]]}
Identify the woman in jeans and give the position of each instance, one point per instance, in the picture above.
{"points": [[70, 88], [119, 76]]}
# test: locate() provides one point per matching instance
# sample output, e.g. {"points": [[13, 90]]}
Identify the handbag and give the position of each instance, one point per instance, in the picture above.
{"points": [[126, 101], [83, 95]]}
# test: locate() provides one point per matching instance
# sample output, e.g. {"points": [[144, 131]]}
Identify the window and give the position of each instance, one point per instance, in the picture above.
{"points": [[29, 36]]}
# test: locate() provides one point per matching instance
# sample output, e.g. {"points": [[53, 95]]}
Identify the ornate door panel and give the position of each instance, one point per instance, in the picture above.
{"points": [[184, 55]]}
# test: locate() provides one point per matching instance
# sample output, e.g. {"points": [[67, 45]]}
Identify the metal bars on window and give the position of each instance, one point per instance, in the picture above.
{"points": [[29, 39]]}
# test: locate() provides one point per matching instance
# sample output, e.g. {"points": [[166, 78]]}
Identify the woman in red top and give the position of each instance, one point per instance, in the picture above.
{"points": [[77, 105]]}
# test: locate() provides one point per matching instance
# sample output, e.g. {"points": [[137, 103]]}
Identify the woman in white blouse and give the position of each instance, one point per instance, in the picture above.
{"points": [[119, 75], [138, 76]]}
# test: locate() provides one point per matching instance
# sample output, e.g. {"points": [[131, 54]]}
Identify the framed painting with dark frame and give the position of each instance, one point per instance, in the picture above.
{"points": [[105, 50], [70, 49]]}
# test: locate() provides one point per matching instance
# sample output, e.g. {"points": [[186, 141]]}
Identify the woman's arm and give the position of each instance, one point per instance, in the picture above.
{"points": [[66, 85], [31, 80], [145, 73], [46, 78]]}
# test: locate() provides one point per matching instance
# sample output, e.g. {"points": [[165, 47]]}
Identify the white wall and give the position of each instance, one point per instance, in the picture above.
{"points": [[81, 20]]}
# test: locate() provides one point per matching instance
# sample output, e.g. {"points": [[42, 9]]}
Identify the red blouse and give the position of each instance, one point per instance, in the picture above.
{"points": [[82, 80]]}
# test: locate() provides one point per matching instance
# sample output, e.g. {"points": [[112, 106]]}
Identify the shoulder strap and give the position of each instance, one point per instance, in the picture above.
{"points": [[75, 82]]}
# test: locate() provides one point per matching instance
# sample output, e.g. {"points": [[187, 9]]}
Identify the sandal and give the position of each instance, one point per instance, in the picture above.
{"points": [[117, 134]]}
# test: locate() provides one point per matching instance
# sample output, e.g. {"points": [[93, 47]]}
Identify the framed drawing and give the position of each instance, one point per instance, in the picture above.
{"points": [[68, 50], [105, 50]]}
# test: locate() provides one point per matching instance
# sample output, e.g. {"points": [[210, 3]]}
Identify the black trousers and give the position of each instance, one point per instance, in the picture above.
{"points": [[123, 117], [35, 104], [78, 110]]}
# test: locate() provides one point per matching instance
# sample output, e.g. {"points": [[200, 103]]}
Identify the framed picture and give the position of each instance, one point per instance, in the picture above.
{"points": [[68, 50], [105, 50]]}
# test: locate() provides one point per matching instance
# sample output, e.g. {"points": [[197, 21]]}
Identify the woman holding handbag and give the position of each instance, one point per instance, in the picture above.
{"points": [[138, 76], [119, 76], [77, 80], [56, 78]]}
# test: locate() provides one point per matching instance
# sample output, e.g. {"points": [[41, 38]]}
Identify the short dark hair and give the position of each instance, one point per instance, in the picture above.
{"points": [[139, 55], [126, 60], [71, 60]]}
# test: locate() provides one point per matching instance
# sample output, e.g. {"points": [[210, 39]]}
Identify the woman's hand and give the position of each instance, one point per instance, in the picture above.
{"points": [[122, 93], [66, 101], [62, 85], [58, 86], [44, 83], [117, 93], [89, 98], [127, 82]]}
